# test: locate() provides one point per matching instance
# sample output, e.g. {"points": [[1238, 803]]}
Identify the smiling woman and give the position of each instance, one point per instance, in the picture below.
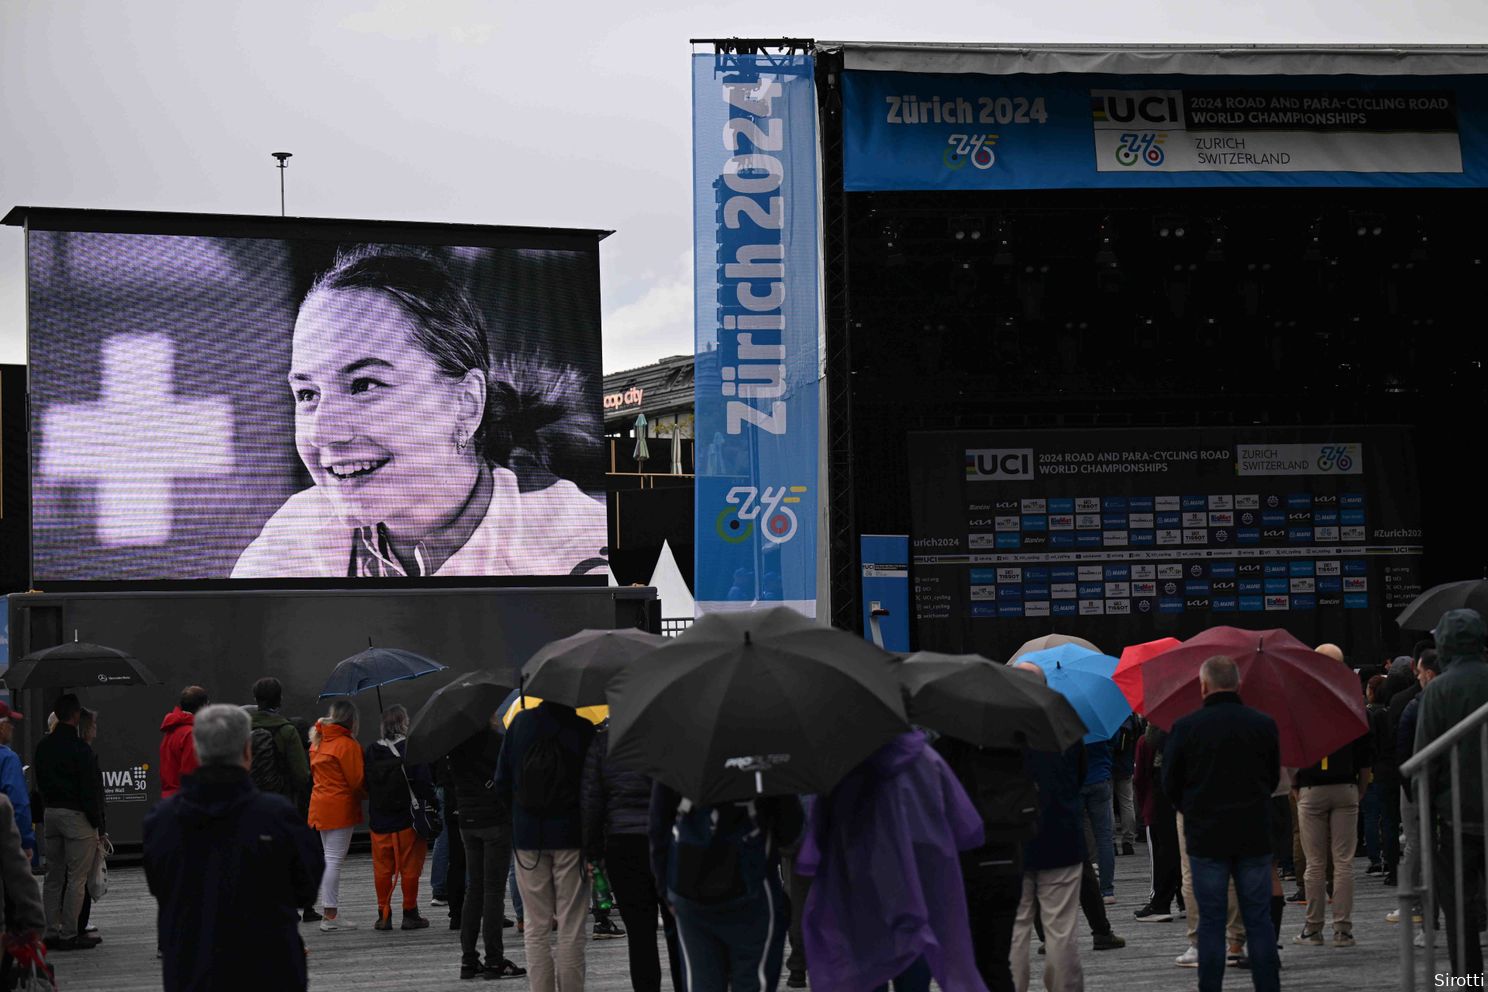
{"points": [[427, 458]]}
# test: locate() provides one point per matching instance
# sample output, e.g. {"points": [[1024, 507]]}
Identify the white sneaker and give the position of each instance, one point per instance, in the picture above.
{"points": [[1188, 959], [332, 926], [1393, 916], [1420, 940], [436, 901]]}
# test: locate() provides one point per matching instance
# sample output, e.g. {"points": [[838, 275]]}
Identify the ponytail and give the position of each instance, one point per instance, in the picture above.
{"points": [[531, 425]]}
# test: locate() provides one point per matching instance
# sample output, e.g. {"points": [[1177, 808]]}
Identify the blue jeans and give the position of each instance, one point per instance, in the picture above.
{"points": [[1099, 818], [1211, 883], [439, 873]]}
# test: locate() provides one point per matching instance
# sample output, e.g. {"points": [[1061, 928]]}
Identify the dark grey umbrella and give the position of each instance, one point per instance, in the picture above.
{"points": [[77, 663], [454, 714], [1426, 609], [575, 670], [987, 704], [756, 702], [375, 668]]}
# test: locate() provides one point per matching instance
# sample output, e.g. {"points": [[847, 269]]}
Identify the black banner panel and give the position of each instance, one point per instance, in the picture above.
{"points": [[316, 406], [1122, 536]]}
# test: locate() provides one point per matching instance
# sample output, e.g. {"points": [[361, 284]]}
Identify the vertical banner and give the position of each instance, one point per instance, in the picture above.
{"points": [[885, 592], [755, 272]]}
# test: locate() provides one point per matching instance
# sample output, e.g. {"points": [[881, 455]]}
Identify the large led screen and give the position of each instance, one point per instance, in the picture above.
{"points": [[264, 409]]}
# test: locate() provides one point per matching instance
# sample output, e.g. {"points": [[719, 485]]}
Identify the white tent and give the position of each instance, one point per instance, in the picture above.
{"points": [[671, 588]]}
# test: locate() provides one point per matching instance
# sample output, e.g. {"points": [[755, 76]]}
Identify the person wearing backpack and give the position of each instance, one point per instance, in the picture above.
{"points": [[1007, 801], [720, 869], [398, 852], [485, 831], [539, 775], [280, 763]]}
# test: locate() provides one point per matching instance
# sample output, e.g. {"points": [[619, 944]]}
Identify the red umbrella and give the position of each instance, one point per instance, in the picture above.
{"points": [[1128, 675], [1314, 700]]}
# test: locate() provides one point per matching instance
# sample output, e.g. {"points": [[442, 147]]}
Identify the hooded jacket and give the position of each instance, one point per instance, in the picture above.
{"points": [[613, 800], [1453, 696], [884, 850], [229, 866], [291, 750], [340, 779], [177, 750]]}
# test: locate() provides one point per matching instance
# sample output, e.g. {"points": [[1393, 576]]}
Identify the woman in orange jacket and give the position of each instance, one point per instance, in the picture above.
{"points": [[335, 799]]}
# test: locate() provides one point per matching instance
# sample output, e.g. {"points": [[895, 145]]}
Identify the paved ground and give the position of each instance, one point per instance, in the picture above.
{"points": [[370, 961]]}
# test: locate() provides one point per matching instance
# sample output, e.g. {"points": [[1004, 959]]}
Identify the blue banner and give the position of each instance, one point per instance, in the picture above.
{"points": [[1068, 131], [885, 595], [755, 208]]}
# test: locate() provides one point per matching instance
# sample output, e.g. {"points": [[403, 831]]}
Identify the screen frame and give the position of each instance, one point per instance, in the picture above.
{"points": [[329, 230]]}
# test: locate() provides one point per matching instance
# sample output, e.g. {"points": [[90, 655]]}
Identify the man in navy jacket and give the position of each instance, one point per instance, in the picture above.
{"points": [[230, 867], [1221, 765]]}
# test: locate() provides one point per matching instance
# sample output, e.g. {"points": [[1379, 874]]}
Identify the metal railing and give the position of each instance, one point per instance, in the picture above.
{"points": [[1418, 773]]}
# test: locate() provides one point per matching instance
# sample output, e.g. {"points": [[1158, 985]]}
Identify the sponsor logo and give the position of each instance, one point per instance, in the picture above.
{"points": [[1035, 506], [1247, 518], [1221, 535], [1278, 603], [1118, 607], [1170, 587], [769, 506], [1171, 571], [756, 762], [1037, 609], [129, 785], [974, 148], [1144, 605], [1196, 604], [1272, 501], [1250, 502], [1006, 464], [1148, 572]]}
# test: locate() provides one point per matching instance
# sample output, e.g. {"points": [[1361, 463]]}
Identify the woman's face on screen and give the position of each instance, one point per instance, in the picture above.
{"points": [[375, 420]]}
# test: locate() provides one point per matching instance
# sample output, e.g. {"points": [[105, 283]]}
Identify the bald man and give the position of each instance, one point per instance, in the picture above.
{"points": [[1328, 797]]}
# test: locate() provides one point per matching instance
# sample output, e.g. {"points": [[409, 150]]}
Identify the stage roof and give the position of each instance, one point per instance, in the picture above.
{"points": [[1198, 60]]}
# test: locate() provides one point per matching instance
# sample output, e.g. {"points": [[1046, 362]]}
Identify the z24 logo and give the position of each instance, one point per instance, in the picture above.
{"points": [[973, 148], [747, 504], [1144, 146]]}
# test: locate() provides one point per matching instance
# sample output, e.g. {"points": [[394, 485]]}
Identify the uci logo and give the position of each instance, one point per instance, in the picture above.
{"points": [[1138, 108], [986, 464], [746, 504]]}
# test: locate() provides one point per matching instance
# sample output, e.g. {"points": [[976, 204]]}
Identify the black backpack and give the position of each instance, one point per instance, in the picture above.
{"points": [[546, 784], [719, 854], [270, 771]]}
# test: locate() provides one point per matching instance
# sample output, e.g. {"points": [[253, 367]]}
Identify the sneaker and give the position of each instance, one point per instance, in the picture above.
{"points": [[455, 920], [1126, 848], [1390, 879], [1393, 916], [1110, 900], [1299, 896], [1151, 914], [1314, 937], [82, 942], [796, 979], [1108, 942], [384, 921], [439, 901], [90, 928], [411, 921], [1343, 938], [469, 971], [1375, 868], [1188, 959], [1287, 875], [607, 930], [506, 969], [310, 916], [507, 923], [1420, 940], [336, 925]]}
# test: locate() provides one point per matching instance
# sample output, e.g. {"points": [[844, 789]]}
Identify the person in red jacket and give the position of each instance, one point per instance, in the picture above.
{"points": [[177, 752]]}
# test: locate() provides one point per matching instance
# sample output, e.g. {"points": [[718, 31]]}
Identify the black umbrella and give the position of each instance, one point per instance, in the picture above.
{"points": [[575, 670], [981, 702], [1426, 609], [375, 668], [77, 663], [453, 715], [758, 702]]}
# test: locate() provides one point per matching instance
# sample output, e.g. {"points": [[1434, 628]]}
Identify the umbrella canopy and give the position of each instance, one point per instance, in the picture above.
{"points": [[513, 704], [755, 702], [1084, 678], [642, 452], [1314, 700], [1128, 677], [1426, 609], [77, 663], [375, 668], [1050, 641], [454, 714], [575, 670], [987, 704]]}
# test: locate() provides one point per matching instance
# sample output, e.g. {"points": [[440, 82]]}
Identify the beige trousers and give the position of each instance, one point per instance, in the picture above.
{"points": [[1234, 927], [1329, 817], [553, 887], [1054, 894]]}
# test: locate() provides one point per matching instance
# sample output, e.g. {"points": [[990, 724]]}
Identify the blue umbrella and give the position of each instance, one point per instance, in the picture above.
{"points": [[375, 668], [1084, 678]]}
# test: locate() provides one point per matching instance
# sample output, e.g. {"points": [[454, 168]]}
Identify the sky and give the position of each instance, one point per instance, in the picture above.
{"points": [[550, 114]]}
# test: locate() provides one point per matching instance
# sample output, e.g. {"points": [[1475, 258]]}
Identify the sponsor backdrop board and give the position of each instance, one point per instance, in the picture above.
{"points": [[1069, 131], [259, 400], [1122, 536], [757, 322]]}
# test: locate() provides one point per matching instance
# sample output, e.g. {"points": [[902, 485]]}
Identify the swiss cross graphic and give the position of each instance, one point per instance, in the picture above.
{"points": [[136, 440]]}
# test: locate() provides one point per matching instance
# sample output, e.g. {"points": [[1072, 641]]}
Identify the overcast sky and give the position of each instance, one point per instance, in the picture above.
{"points": [[543, 113]]}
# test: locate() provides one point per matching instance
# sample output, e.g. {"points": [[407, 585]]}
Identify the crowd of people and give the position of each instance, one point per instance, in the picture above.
{"points": [[934, 859]]}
